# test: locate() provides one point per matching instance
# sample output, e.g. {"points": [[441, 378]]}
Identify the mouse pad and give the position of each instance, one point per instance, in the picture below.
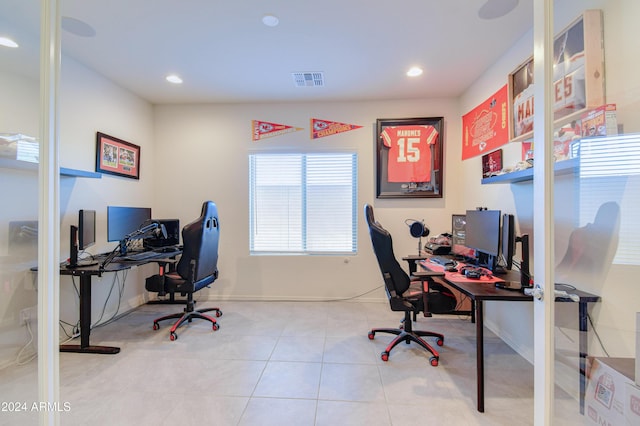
{"points": [[457, 276]]}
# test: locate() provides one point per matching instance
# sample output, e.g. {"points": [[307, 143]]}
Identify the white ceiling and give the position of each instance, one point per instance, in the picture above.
{"points": [[224, 53]]}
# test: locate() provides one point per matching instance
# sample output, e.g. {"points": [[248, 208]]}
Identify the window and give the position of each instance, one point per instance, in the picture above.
{"points": [[610, 171], [303, 203]]}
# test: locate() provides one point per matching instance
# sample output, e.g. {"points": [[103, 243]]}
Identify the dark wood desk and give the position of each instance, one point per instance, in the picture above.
{"points": [[480, 292]]}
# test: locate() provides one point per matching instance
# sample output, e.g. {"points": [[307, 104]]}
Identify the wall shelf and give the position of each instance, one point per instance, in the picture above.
{"points": [[8, 163], [565, 167]]}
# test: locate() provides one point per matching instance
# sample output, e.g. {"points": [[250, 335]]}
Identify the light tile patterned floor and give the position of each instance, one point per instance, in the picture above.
{"points": [[283, 363]]}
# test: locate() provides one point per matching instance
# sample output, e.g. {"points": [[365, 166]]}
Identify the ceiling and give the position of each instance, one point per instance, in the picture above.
{"points": [[224, 53]]}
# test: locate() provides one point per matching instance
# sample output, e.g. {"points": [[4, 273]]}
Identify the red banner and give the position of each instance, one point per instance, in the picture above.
{"points": [[322, 128], [486, 127], [264, 129]]}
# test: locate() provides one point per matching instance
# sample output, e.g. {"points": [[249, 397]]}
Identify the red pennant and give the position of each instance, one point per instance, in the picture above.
{"points": [[322, 128], [264, 129]]}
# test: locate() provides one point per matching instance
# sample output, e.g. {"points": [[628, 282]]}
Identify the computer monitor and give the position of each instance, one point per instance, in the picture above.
{"points": [[122, 221], [508, 242], [458, 241], [172, 227], [483, 235], [86, 229]]}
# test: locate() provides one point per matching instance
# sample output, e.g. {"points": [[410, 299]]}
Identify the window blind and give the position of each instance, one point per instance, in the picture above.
{"points": [[303, 203], [610, 171]]}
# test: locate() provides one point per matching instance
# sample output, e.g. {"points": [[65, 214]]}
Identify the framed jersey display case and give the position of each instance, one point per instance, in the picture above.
{"points": [[578, 75], [409, 157]]}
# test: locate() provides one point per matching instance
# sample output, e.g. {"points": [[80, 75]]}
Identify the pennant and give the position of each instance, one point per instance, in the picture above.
{"points": [[264, 129], [485, 128], [322, 128]]}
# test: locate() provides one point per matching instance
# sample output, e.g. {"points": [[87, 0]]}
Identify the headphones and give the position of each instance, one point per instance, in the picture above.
{"points": [[475, 273], [417, 229]]}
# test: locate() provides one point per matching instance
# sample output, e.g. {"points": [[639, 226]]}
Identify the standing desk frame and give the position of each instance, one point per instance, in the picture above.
{"points": [[86, 273]]}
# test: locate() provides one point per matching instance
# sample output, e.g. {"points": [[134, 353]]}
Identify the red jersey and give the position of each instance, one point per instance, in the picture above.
{"points": [[409, 152]]}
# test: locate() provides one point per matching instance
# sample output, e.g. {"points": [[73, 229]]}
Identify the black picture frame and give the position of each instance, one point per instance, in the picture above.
{"points": [[117, 157], [415, 146]]}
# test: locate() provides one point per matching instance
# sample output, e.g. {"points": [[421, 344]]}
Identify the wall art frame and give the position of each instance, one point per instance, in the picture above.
{"points": [[409, 157], [117, 157]]}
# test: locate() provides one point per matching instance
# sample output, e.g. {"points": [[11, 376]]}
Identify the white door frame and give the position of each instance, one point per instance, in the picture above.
{"points": [[543, 227]]}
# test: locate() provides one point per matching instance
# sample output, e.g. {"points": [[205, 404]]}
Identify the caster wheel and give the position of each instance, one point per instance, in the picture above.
{"points": [[440, 342], [434, 361], [371, 335], [218, 314], [215, 327], [173, 336], [156, 326], [384, 356]]}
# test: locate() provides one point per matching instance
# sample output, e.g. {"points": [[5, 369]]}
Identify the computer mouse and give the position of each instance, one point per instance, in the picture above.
{"points": [[450, 268]]}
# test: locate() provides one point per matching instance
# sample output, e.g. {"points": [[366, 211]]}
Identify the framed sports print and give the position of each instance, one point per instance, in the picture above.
{"points": [[409, 157], [117, 157], [492, 163]]}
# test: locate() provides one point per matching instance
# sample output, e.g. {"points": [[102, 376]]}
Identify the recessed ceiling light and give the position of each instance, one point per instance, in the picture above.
{"points": [[7, 42], [414, 71], [270, 20], [174, 79], [77, 27], [493, 9]]}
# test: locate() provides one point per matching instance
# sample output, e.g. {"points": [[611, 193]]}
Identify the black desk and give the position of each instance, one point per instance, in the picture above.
{"points": [[85, 273], [480, 292]]}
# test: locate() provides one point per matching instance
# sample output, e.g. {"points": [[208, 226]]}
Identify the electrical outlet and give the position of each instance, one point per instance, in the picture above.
{"points": [[28, 315], [24, 316]]}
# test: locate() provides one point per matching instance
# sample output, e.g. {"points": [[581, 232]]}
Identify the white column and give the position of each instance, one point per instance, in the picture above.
{"points": [[49, 215]]}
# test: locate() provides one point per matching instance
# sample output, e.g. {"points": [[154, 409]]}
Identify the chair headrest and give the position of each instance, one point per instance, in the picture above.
{"points": [[368, 214]]}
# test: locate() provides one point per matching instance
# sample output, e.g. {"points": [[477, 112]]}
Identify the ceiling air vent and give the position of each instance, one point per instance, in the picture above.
{"points": [[308, 79]]}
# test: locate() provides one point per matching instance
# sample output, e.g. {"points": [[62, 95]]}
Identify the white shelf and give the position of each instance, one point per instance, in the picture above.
{"points": [[9, 163], [561, 168]]}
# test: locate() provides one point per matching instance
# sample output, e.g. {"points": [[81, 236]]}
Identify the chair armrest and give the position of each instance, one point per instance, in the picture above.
{"points": [[423, 275], [415, 257], [412, 260], [163, 262]]}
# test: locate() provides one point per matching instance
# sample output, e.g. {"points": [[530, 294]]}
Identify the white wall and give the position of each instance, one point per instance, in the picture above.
{"points": [[205, 149]]}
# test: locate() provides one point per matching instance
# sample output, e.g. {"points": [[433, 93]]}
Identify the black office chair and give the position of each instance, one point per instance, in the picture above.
{"points": [[404, 295], [196, 269]]}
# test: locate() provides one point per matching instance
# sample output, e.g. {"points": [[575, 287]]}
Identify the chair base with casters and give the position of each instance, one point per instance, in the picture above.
{"points": [[187, 316], [408, 335]]}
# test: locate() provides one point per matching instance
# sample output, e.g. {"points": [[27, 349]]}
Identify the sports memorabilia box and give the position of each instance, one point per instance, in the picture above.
{"points": [[409, 157], [578, 77]]}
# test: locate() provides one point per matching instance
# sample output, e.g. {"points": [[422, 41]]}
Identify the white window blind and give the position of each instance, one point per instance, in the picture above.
{"points": [[610, 171], [303, 203]]}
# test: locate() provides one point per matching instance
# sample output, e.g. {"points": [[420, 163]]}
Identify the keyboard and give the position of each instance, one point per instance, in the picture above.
{"points": [[441, 260], [143, 255]]}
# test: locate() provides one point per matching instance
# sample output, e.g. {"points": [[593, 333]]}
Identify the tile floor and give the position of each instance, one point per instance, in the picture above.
{"points": [[283, 363]]}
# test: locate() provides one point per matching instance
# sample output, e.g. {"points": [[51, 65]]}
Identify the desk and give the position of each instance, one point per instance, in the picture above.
{"points": [[85, 273], [480, 292]]}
